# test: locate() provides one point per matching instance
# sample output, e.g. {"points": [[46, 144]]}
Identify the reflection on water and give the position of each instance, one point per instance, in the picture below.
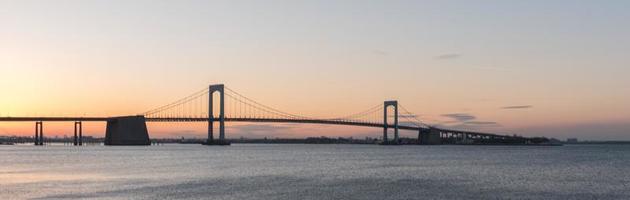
{"points": [[265, 171], [13, 177]]}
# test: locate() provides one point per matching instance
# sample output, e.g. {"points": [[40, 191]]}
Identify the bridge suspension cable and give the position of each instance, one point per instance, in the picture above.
{"points": [[256, 106], [237, 106], [371, 115], [411, 117], [182, 107]]}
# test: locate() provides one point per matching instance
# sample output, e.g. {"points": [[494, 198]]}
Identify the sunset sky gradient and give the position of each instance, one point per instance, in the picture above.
{"points": [[535, 68]]}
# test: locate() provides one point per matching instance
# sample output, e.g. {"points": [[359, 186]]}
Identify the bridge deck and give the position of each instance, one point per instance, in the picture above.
{"points": [[266, 120], [52, 119]]}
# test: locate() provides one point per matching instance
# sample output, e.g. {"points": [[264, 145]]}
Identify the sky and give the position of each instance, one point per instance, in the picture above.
{"points": [[535, 68]]}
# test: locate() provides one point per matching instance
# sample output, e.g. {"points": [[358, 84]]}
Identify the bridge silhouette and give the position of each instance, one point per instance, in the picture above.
{"points": [[234, 107]]}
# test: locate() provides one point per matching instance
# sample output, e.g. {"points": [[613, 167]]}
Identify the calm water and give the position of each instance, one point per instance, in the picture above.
{"points": [[265, 171]]}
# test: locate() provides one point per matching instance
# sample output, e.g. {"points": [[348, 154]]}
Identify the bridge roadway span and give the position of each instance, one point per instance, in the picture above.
{"points": [[265, 120]]}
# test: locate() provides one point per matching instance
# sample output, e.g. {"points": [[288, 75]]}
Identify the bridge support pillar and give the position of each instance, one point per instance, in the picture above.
{"points": [[465, 138], [130, 130], [39, 133], [36, 138], [386, 125], [431, 136], [421, 136], [78, 133], [211, 90], [426, 137]]}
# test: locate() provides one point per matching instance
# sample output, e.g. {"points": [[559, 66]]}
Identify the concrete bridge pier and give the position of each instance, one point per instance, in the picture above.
{"points": [[130, 130], [466, 138], [39, 133], [429, 136], [432, 137], [78, 133], [36, 137], [421, 136]]}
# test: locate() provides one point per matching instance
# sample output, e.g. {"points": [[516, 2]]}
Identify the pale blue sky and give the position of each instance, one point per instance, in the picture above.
{"points": [[568, 60]]}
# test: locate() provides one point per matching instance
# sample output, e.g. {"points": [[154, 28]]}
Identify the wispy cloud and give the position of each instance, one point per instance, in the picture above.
{"points": [[474, 125], [480, 123], [460, 117], [518, 107], [450, 56], [466, 121]]}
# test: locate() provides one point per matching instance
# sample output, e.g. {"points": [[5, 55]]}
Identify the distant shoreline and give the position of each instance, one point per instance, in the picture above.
{"points": [[599, 142], [13, 140]]}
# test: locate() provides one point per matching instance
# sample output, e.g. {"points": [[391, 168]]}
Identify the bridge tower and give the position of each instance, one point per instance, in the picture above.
{"points": [[386, 125], [212, 89]]}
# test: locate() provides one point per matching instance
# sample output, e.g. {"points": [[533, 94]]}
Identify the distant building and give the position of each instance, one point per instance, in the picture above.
{"points": [[572, 140]]}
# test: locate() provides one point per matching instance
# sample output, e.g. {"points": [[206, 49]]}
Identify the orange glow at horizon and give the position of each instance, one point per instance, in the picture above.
{"points": [[479, 70]]}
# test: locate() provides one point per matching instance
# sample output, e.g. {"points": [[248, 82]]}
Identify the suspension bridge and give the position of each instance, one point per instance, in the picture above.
{"points": [[235, 107]]}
